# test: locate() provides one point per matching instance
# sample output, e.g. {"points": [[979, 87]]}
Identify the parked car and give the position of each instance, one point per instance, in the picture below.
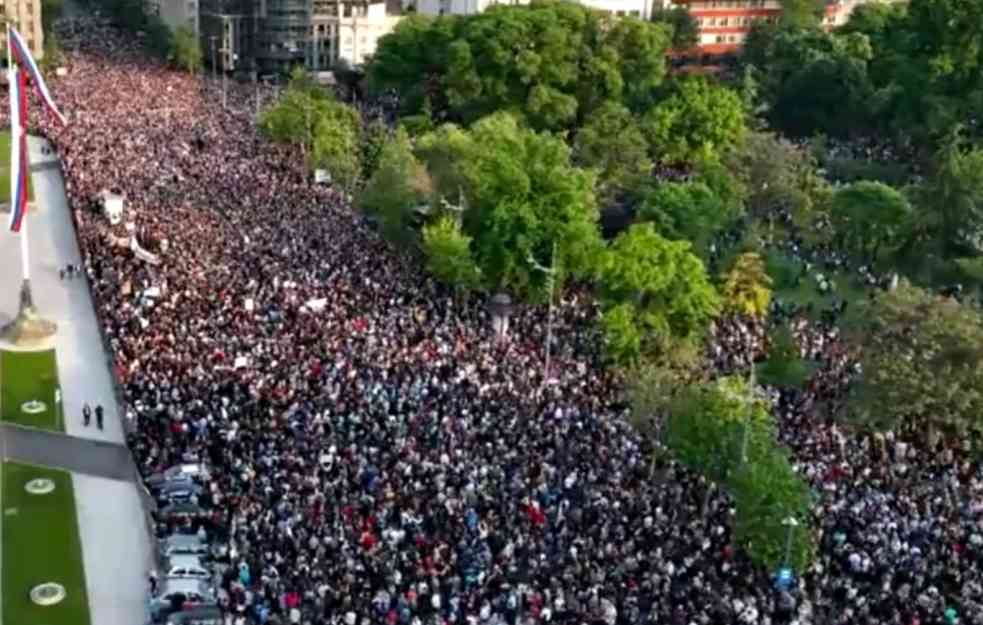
{"points": [[178, 491], [183, 545], [195, 471], [181, 510], [203, 615], [181, 594], [184, 566]]}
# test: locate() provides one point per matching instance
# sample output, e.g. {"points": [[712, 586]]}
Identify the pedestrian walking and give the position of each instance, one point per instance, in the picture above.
{"points": [[99, 416], [154, 581], [86, 415]]}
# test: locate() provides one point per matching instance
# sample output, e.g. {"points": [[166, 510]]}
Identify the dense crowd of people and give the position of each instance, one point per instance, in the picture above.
{"points": [[378, 457]]}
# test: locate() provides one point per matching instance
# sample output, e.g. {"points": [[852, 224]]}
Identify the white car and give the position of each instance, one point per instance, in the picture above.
{"points": [[185, 567]]}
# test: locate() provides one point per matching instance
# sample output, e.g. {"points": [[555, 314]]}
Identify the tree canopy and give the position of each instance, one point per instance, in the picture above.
{"points": [[519, 194], [186, 50], [696, 120], [685, 29], [747, 286], [869, 216], [920, 356], [657, 287], [551, 63]]}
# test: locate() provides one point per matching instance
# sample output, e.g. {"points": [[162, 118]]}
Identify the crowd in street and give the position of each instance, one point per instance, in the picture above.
{"points": [[379, 458]]}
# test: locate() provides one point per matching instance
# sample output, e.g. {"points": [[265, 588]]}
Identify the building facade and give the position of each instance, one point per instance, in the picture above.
{"points": [[725, 24], [347, 31], [456, 7], [178, 13], [25, 15]]}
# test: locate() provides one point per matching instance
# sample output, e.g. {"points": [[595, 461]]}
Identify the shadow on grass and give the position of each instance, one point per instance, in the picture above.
{"points": [[41, 544], [29, 376]]}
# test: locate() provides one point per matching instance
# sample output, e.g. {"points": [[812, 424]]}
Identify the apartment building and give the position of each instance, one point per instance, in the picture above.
{"points": [[227, 29], [725, 24], [25, 15], [348, 31]]}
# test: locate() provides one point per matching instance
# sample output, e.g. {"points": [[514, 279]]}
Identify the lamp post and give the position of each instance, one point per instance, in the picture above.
{"points": [[500, 306], [791, 523], [213, 38], [551, 283]]}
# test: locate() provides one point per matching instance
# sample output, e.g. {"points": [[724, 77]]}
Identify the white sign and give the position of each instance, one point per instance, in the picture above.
{"points": [[321, 176], [316, 305], [249, 305], [240, 362]]}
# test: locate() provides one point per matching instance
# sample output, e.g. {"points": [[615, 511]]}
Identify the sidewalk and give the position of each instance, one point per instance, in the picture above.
{"points": [[82, 364], [112, 526]]}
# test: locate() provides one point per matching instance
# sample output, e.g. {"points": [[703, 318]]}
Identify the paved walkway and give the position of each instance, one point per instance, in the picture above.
{"points": [[79, 455], [115, 543]]}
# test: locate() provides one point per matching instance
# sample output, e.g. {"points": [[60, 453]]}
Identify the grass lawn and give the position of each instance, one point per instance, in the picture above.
{"points": [[41, 544], [807, 292], [26, 376], [5, 170]]}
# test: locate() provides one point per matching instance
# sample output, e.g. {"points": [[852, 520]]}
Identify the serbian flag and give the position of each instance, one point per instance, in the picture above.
{"points": [[22, 55], [18, 148]]}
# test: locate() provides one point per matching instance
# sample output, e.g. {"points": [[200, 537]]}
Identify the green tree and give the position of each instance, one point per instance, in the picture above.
{"points": [[612, 143], [685, 29], [550, 63], [53, 54], [413, 60], [660, 284], [623, 334], [776, 174], [398, 185], [521, 195], [296, 115], [51, 10], [696, 120], [652, 385], [818, 82], [336, 145], [685, 210], [767, 491], [784, 366], [801, 14], [869, 216], [186, 50], [375, 135], [952, 201], [713, 428], [448, 253], [920, 358], [747, 287]]}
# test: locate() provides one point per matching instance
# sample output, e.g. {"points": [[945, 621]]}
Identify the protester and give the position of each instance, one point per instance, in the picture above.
{"points": [[378, 458]]}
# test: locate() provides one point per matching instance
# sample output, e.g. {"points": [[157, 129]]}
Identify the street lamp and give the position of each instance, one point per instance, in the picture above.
{"points": [[551, 283], [791, 523], [500, 306]]}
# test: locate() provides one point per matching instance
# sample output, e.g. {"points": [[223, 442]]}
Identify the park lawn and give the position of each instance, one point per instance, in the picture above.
{"points": [[41, 544], [5, 170], [807, 292], [26, 376]]}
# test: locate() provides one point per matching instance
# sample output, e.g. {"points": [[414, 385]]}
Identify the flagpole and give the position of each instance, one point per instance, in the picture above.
{"points": [[28, 328]]}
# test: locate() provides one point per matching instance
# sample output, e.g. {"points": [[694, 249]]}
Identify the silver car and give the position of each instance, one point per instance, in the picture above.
{"points": [[181, 594], [184, 566], [183, 545]]}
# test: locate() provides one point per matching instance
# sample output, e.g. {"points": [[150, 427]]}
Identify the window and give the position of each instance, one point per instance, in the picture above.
{"points": [[720, 39]]}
